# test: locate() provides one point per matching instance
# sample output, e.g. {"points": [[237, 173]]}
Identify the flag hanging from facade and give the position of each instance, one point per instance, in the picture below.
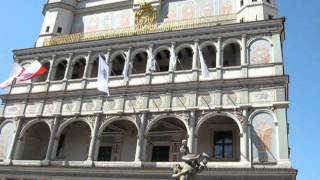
{"points": [[204, 67], [10, 81], [173, 58], [126, 66], [151, 61], [103, 76], [34, 70]]}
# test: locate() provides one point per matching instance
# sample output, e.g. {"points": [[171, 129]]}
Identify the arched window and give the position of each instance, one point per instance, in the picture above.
{"points": [[264, 139], [60, 70], [94, 68], [185, 57], [117, 65], [231, 55], [163, 60], [209, 54], [6, 138], [78, 69], [139, 63], [260, 52], [44, 76]]}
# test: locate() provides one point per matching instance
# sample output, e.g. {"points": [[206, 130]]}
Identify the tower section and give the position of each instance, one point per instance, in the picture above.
{"points": [[58, 18], [257, 10]]}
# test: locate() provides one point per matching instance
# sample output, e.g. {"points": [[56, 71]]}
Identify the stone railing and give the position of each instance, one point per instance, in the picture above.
{"points": [[138, 30]]}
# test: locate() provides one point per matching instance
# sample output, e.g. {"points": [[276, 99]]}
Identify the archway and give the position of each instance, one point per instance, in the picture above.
{"points": [[139, 63], [74, 142], [184, 61], [118, 141], [94, 68], [35, 142], [60, 70], [219, 137], [209, 54], [163, 140], [163, 60], [44, 76], [231, 55], [117, 65], [78, 69]]}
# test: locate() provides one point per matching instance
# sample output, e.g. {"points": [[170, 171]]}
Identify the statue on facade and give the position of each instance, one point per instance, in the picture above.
{"points": [[192, 163]]}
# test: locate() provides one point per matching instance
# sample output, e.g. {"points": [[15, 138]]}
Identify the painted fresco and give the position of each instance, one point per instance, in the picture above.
{"points": [[103, 21], [173, 10], [6, 137], [260, 52], [264, 139]]}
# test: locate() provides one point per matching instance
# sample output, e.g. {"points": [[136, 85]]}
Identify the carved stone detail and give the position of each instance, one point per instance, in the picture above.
{"points": [[145, 15]]}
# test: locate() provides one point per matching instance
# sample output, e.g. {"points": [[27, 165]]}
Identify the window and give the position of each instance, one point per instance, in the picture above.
{"points": [[105, 153], [59, 30], [47, 28], [268, 1], [160, 153], [223, 145], [254, 0], [270, 17], [241, 3]]}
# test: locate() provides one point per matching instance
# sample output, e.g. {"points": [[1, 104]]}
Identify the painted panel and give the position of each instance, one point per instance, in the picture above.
{"points": [[260, 52], [264, 139], [103, 21], [189, 9], [6, 138]]}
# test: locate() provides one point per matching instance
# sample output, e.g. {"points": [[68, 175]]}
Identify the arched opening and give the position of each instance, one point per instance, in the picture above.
{"points": [[35, 142], [44, 76], [117, 65], [231, 55], [60, 70], [164, 140], [78, 69], [185, 57], [219, 137], [74, 142], [118, 142], [139, 63], [163, 61], [94, 68], [209, 54], [6, 138]]}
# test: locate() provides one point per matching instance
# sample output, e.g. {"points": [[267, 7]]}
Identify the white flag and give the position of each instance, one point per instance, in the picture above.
{"points": [[204, 68], [126, 66], [103, 76], [151, 61], [173, 58], [9, 82]]}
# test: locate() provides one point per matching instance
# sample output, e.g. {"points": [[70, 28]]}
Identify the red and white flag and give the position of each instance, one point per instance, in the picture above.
{"points": [[35, 69], [9, 81]]}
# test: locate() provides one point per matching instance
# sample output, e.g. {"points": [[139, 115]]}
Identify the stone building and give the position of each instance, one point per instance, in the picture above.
{"points": [[59, 127]]}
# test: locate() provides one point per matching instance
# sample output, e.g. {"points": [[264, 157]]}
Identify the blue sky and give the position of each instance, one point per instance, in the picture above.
{"points": [[21, 21]]}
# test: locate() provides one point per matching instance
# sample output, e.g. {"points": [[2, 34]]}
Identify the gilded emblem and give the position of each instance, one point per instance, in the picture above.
{"points": [[145, 15]]}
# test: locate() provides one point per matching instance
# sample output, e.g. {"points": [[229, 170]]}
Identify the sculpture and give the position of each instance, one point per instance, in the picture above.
{"points": [[192, 163], [145, 15]]}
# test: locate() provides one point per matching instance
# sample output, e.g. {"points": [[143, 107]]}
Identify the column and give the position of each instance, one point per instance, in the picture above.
{"points": [[244, 138], [148, 70], [94, 137], [52, 139], [85, 72], [51, 68], [244, 63], [195, 61], [171, 68], [219, 60], [66, 74], [191, 135], [16, 141], [140, 138]]}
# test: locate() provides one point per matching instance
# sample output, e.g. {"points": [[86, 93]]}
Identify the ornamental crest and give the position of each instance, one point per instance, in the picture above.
{"points": [[145, 15]]}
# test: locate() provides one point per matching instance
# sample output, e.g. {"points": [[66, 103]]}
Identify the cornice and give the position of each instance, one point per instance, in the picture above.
{"points": [[214, 31]]}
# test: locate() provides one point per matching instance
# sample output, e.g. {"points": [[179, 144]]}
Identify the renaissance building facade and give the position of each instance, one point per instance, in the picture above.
{"points": [[60, 127]]}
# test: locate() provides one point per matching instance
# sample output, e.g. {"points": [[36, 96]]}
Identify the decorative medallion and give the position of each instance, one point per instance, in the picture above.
{"points": [[145, 15]]}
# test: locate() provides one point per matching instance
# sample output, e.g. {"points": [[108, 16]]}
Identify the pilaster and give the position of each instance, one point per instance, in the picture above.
{"points": [[94, 138], [52, 139], [140, 137], [219, 58]]}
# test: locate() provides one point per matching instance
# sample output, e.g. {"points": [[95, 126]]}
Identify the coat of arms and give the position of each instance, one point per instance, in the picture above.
{"points": [[145, 15]]}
